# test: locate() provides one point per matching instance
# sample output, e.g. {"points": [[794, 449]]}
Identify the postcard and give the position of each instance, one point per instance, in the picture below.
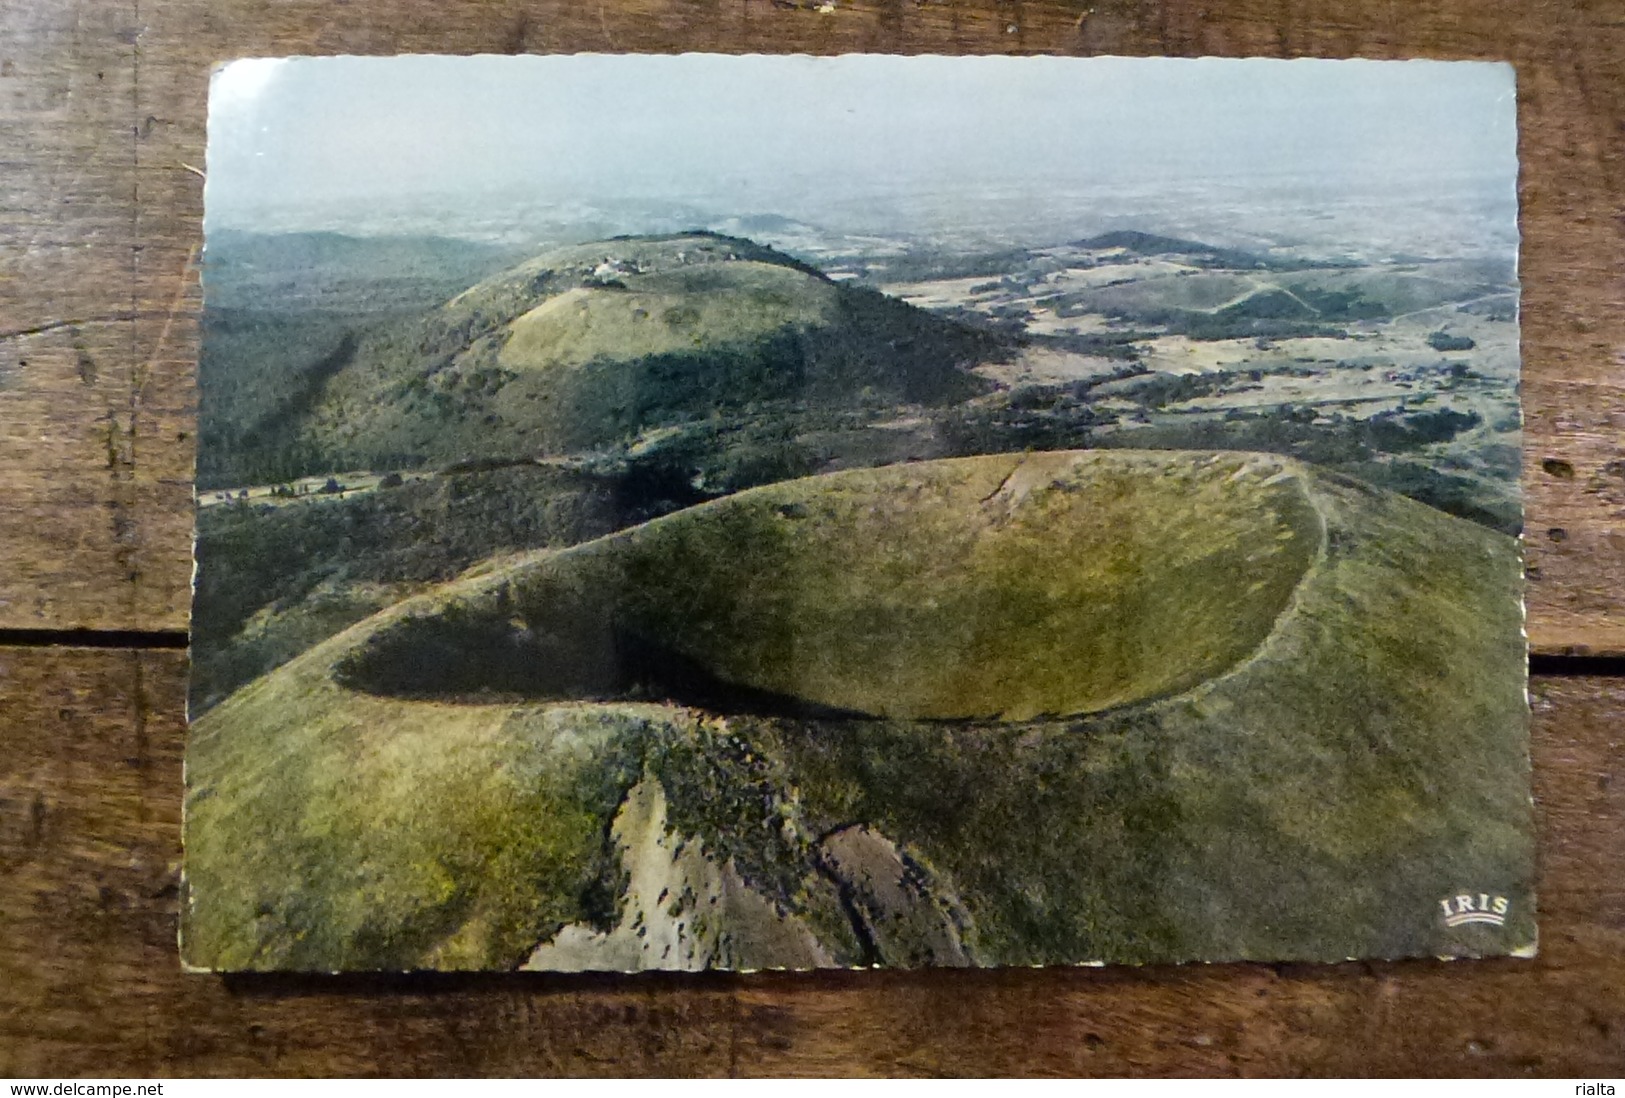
{"points": [[783, 512]]}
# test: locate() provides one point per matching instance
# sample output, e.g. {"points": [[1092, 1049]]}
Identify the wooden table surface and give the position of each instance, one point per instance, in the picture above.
{"points": [[101, 130]]}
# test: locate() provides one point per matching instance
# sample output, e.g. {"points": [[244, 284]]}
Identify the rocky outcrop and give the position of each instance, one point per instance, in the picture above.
{"points": [[680, 908], [899, 910]]}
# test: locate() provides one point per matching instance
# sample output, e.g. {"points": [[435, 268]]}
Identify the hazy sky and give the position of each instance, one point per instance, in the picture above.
{"points": [[760, 133]]}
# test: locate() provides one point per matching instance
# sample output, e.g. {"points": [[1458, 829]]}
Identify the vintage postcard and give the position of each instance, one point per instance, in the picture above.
{"points": [[701, 512]]}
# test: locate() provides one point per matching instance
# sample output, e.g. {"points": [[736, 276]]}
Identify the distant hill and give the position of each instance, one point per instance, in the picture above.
{"points": [[1236, 300], [338, 272], [591, 344], [1140, 243], [1198, 253]]}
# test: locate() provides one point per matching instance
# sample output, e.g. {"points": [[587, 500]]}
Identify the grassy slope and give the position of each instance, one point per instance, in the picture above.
{"points": [[710, 307], [1313, 802]]}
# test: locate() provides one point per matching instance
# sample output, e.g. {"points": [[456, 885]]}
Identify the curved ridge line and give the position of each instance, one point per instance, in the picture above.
{"points": [[1294, 602]]}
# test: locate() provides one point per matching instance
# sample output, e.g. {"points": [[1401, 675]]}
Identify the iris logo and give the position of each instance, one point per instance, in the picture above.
{"points": [[1483, 908]]}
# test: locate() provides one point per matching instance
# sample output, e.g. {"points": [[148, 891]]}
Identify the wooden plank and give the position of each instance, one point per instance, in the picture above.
{"points": [[100, 116], [1575, 535], [90, 984], [65, 252]]}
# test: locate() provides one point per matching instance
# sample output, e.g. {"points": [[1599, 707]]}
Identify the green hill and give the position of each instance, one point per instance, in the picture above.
{"points": [[1014, 709], [589, 345], [1244, 299]]}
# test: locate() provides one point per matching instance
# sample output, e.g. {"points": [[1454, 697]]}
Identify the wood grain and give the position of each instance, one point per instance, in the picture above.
{"points": [[95, 527], [102, 111], [101, 123], [1574, 537], [89, 980]]}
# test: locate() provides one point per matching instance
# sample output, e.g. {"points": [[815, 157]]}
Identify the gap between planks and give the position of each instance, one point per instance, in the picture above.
{"points": [[1551, 666]]}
